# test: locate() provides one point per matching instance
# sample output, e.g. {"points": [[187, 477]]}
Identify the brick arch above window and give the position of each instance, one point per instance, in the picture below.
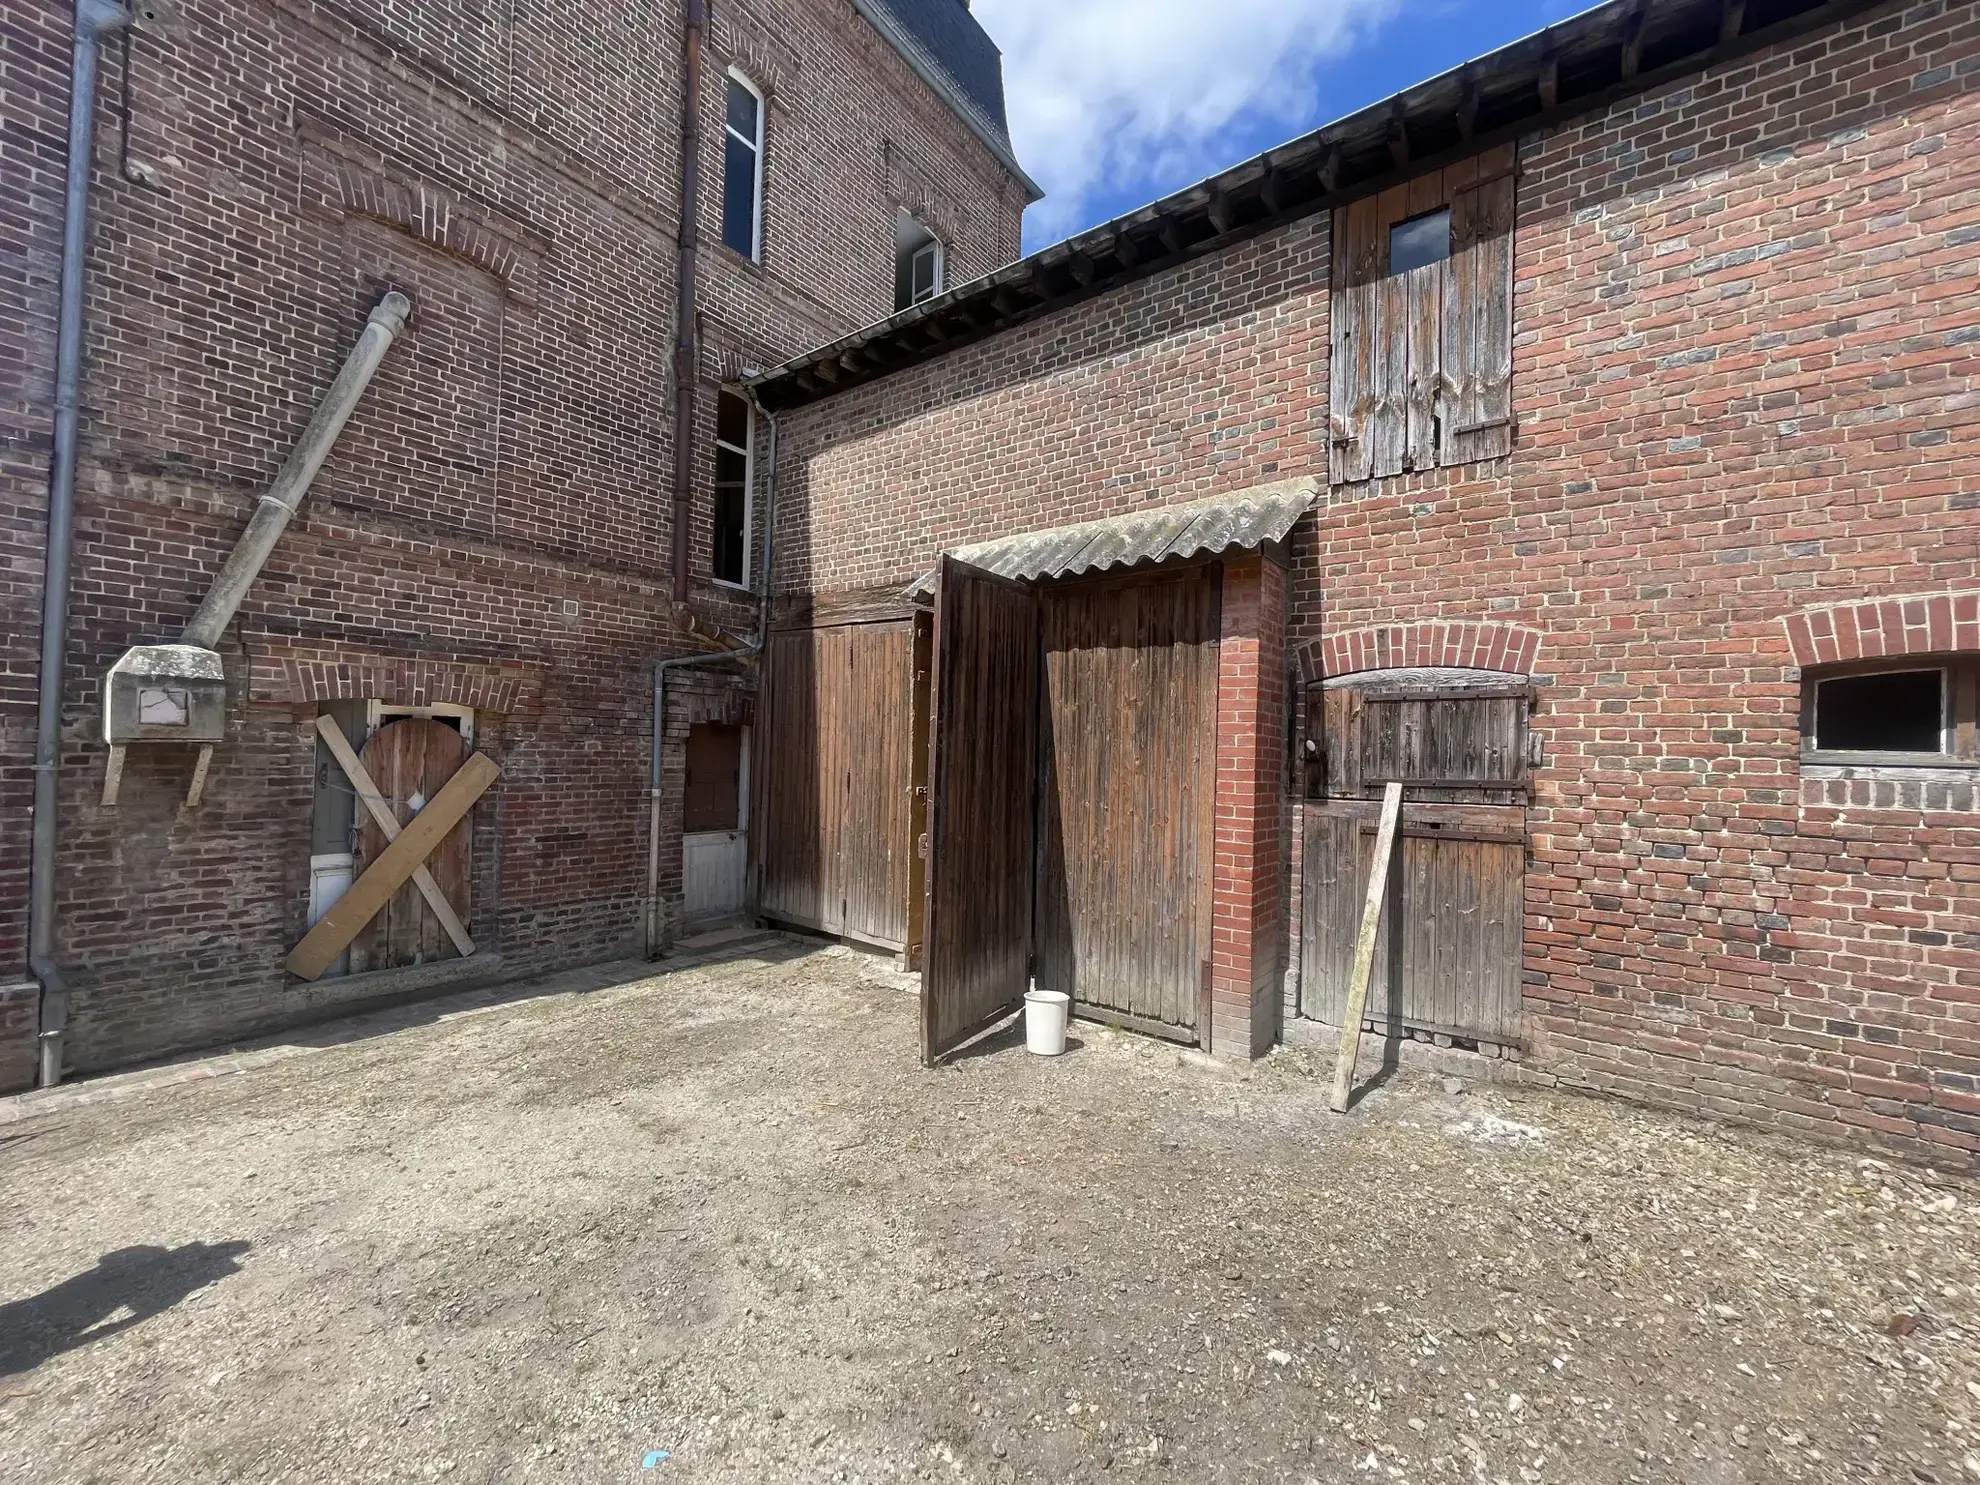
{"points": [[1879, 628], [1468, 646]]}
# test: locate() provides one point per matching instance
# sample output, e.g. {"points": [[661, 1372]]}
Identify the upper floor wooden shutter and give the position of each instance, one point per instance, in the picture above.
{"points": [[1477, 358]]}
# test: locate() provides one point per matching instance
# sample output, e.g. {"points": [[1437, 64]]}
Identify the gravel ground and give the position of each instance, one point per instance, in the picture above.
{"points": [[721, 1214]]}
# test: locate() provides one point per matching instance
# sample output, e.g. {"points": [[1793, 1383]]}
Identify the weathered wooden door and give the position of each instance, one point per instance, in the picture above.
{"points": [[804, 776], [1128, 776], [981, 805], [877, 842], [1448, 956], [409, 761]]}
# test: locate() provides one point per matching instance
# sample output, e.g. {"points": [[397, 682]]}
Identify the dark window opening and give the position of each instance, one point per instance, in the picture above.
{"points": [[917, 263], [742, 170], [714, 778], [1420, 241], [1893, 711], [730, 559]]}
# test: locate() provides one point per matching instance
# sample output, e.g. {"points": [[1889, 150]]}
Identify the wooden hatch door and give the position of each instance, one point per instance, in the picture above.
{"points": [[981, 805]]}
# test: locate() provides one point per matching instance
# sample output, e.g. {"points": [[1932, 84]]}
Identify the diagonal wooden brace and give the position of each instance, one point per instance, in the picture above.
{"points": [[388, 826], [392, 870], [1364, 947]]}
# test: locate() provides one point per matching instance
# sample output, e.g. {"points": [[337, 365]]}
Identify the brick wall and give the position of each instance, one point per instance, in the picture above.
{"points": [[499, 505], [1746, 307]]}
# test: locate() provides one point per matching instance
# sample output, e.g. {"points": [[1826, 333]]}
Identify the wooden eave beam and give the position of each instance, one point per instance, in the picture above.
{"points": [[1732, 20], [1633, 34], [1397, 136], [1550, 81], [1467, 112], [1219, 211]]}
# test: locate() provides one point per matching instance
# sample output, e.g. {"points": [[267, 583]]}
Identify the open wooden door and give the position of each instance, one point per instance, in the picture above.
{"points": [[981, 807]]}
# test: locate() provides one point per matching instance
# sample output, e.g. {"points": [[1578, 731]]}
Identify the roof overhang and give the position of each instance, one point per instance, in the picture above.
{"points": [[1239, 522], [936, 76], [1569, 69]]}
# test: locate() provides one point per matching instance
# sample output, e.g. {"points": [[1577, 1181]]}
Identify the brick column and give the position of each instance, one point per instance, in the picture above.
{"points": [[1246, 932]]}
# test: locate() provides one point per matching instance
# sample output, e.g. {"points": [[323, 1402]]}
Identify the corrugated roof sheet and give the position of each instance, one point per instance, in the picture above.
{"points": [[1247, 519]]}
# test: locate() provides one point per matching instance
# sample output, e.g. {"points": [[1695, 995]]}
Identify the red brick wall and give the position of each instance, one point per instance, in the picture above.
{"points": [[1746, 308], [498, 505]]}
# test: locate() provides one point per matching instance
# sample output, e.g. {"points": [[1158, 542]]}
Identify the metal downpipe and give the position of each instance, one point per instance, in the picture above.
{"points": [[94, 20]]}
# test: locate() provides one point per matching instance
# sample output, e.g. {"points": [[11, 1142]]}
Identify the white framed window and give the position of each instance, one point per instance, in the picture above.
{"points": [[735, 428], [918, 263], [742, 169]]}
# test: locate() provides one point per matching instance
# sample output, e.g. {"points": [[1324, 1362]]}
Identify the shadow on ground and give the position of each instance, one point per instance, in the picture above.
{"points": [[127, 1286]]}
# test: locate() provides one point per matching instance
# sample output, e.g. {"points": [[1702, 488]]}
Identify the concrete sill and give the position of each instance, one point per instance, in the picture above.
{"points": [[405, 982]]}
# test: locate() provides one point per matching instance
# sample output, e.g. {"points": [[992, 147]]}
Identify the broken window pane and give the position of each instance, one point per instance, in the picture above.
{"points": [[1892, 711]]}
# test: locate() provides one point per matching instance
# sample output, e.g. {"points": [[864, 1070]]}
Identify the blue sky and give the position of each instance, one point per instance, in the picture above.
{"points": [[1116, 102]]}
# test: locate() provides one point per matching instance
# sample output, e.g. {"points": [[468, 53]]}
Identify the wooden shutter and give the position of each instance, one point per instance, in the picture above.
{"points": [[1360, 255], [1477, 315]]}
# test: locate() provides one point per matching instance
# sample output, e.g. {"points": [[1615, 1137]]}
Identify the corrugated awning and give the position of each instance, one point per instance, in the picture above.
{"points": [[1237, 522]]}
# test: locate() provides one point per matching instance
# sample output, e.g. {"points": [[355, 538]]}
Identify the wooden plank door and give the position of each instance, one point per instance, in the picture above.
{"points": [[877, 842], [1128, 777], [981, 806], [801, 770], [409, 761]]}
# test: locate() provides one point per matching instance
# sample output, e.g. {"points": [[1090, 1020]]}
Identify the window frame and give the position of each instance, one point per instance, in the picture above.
{"points": [[729, 132], [1959, 714], [930, 248], [905, 259], [748, 452]]}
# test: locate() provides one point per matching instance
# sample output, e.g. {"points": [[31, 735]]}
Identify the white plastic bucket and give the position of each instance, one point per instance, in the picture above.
{"points": [[1045, 1021]]}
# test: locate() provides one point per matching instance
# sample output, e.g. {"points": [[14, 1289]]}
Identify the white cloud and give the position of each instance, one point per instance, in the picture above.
{"points": [[1108, 95]]}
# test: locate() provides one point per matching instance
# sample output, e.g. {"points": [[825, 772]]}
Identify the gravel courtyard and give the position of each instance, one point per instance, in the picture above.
{"points": [[716, 1224]]}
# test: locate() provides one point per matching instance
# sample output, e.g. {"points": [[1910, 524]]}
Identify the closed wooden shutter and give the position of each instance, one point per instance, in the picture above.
{"points": [[1477, 315], [1360, 255]]}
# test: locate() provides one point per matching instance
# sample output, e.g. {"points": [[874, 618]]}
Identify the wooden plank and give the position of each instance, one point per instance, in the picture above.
{"points": [[1477, 324], [1127, 773], [1388, 382], [981, 804], [1423, 293], [409, 761], [924, 659], [1364, 949], [802, 764], [387, 822], [889, 604], [1355, 331], [877, 838], [392, 870]]}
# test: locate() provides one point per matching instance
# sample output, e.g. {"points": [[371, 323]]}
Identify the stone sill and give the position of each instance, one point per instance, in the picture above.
{"points": [[405, 982]]}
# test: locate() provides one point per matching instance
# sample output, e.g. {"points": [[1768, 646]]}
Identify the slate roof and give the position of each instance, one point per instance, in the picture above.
{"points": [[1239, 521], [946, 44]]}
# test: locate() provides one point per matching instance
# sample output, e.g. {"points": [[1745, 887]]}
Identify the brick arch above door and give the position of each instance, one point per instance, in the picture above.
{"points": [[1468, 646], [1879, 628]]}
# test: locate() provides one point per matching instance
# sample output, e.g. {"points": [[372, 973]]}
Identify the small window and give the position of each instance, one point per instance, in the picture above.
{"points": [[917, 263], [1420, 241], [733, 426], [742, 169], [1905, 711]]}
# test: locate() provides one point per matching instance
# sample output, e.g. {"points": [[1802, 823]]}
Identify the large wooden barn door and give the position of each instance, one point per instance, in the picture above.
{"points": [[981, 805], [408, 762], [835, 808], [1448, 957], [1128, 776], [799, 812]]}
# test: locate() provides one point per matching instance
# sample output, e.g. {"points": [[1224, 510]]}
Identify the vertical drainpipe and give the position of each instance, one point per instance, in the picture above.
{"points": [[684, 310], [94, 20]]}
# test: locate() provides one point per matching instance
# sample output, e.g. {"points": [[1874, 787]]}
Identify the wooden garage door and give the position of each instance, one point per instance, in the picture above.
{"points": [[981, 804], [1128, 772], [1448, 958]]}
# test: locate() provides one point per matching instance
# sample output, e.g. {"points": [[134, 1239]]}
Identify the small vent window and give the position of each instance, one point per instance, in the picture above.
{"points": [[1420, 241], [1925, 710]]}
